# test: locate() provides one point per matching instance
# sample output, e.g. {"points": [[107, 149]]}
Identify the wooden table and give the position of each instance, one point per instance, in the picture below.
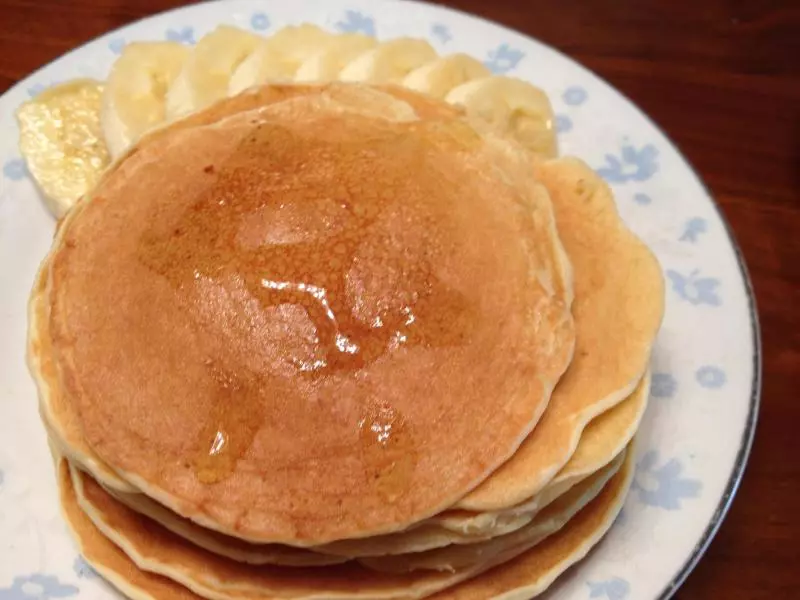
{"points": [[722, 77]]}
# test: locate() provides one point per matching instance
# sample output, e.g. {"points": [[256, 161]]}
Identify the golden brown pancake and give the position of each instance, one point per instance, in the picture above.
{"points": [[618, 307], [529, 574], [285, 324]]}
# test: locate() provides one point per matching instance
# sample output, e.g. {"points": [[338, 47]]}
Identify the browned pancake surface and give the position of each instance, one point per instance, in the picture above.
{"points": [[287, 325]]}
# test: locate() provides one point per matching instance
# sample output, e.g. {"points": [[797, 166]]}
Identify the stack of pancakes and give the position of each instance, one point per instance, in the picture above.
{"points": [[340, 341]]}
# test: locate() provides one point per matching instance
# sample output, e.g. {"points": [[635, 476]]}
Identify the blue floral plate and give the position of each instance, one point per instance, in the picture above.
{"points": [[697, 432]]}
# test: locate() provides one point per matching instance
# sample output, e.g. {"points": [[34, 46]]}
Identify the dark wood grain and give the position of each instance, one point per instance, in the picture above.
{"points": [[722, 78]]}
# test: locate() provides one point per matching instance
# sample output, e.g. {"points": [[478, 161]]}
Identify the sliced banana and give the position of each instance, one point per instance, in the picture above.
{"points": [[62, 141], [440, 76], [389, 62], [135, 93], [207, 71], [278, 57], [512, 107], [326, 64]]}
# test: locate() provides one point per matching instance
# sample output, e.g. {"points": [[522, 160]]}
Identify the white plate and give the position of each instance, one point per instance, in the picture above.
{"points": [[698, 429]]}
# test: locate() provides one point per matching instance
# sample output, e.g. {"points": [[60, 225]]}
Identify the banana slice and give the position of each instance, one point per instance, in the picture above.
{"points": [[512, 107], [389, 62], [440, 76], [207, 71], [62, 141], [135, 94], [278, 57], [326, 64]]}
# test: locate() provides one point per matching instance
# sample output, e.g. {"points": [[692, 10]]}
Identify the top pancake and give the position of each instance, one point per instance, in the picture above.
{"points": [[306, 321]]}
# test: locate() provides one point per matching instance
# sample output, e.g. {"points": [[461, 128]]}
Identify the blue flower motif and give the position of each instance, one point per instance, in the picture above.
{"points": [[632, 164], [36, 89], [663, 487], [663, 385], [642, 199], [711, 377], [259, 21], [441, 32], [37, 587], [14, 169], [503, 59], [116, 45], [356, 22], [694, 289], [184, 35], [83, 569], [574, 96], [563, 123], [612, 589], [694, 227]]}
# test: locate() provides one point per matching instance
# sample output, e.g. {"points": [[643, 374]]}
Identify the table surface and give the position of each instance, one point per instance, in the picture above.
{"points": [[722, 78]]}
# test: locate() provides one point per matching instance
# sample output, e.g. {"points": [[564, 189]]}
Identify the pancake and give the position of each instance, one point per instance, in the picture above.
{"points": [[529, 574], [161, 285], [618, 307]]}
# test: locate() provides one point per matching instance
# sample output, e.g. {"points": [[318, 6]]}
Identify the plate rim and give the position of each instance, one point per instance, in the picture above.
{"points": [[742, 456], [754, 404]]}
